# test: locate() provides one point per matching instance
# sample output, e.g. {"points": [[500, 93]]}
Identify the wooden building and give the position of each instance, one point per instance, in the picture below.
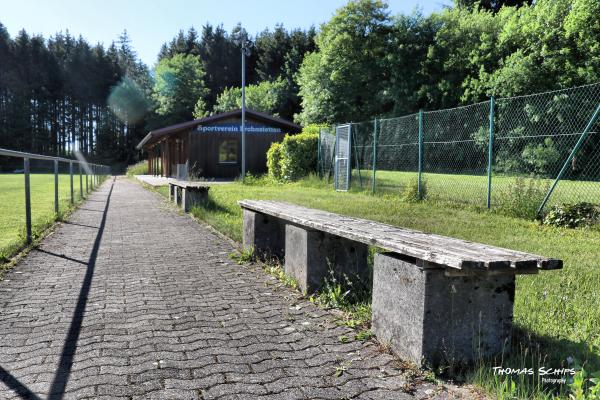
{"points": [[211, 147]]}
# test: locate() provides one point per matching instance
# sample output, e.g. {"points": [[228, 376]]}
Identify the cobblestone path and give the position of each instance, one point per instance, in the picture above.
{"points": [[131, 299]]}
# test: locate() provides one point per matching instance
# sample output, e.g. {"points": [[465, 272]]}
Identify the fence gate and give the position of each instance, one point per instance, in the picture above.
{"points": [[326, 153], [343, 139]]}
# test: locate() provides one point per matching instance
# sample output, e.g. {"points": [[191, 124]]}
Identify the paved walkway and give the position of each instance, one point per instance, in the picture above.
{"points": [[130, 299]]}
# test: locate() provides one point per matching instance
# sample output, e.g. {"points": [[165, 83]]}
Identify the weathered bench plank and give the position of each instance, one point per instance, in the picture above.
{"points": [[454, 253]]}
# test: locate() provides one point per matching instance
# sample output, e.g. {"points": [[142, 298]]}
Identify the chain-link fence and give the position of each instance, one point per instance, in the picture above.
{"points": [[448, 153]]}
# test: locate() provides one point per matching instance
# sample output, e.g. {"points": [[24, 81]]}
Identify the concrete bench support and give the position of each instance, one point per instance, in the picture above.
{"points": [[192, 195], [264, 233], [173, 193], [186, 195], [311, 255], [176, 195], [426, 315]]}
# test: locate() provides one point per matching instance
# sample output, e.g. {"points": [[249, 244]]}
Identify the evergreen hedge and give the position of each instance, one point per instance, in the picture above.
{"points": [[294, 157]]}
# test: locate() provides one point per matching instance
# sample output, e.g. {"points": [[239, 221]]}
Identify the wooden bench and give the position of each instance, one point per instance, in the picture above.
{"points": [[435, 299], [187, 193]]}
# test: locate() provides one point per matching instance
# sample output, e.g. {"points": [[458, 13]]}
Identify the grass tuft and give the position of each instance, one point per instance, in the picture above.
{"points": [[139, 168]]}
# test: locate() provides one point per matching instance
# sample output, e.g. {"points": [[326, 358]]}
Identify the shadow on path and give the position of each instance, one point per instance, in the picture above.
{"points": [[63, 370], [17, 386], [57, 389], [64, 257], [83, 225]]}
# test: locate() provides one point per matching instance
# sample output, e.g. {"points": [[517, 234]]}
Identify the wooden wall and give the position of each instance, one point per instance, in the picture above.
{"points": [[204, 153], [201, 150]]}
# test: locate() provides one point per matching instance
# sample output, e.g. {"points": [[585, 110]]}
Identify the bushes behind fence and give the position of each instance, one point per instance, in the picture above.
{"points": [[293, 158], [139, 168]]}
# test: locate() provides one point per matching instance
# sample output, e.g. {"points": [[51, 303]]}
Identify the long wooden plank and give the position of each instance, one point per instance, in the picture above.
{"points": [[494, 257], [491, 254], [419, 239], [396, 246], [188, 184], [391, 243], [495, 263], [455, 253]]}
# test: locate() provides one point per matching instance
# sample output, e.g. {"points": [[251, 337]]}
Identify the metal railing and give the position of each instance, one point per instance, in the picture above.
{"points": [[94, 173]]}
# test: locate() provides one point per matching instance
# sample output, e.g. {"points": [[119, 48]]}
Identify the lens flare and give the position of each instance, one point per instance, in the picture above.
{"points": [[128, 101], [84, 164]]}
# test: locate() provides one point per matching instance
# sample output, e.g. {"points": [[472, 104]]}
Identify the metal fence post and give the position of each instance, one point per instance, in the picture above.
{"points": [[335, 157], [349, 163], [27, 199], [87, 190], [319, 154], [56, 186], [71, 180], [419, 184], [490, 153], [576, 148], [374, 155], [80, 182]]}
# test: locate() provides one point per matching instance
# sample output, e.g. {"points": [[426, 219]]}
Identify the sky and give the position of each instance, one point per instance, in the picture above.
{"points": [[150, 23]]}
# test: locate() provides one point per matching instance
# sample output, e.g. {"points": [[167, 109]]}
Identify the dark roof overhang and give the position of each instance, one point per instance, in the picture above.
{"points": [[155, 135]]}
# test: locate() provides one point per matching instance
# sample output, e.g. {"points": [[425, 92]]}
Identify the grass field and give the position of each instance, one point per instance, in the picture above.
{"points": [[557, 313], [472, 189], [12, 206]]}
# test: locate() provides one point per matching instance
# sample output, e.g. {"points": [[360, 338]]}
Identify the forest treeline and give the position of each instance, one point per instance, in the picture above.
{"points": [[54, 92], [61, 93]]}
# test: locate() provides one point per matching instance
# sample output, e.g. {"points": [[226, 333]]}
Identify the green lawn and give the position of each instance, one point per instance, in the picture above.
{"points": [[472, 189], [12, 206], [556, 310]]}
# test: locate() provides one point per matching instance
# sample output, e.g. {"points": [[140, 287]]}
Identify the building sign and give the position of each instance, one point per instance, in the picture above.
{"points": [[235, 128]]}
